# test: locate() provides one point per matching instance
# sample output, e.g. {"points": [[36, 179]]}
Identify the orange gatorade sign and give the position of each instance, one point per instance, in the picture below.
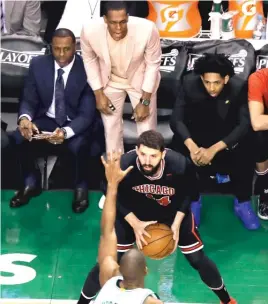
{"points": [[175, 19], [245, 20]]}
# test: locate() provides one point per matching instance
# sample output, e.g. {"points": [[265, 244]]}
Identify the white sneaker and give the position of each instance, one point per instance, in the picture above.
{"points": [[263, 209], [102, 201]]}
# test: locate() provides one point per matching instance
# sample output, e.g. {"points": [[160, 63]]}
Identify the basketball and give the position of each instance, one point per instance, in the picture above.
{"points": [[161, 243]]}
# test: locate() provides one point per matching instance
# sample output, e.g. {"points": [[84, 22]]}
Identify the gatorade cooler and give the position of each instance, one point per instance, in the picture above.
{"points": [[175, 19], [246, 19]]}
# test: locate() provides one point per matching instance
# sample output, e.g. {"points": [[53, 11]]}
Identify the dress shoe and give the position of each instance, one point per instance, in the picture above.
{"points": [[80, 202], [23, 196]]}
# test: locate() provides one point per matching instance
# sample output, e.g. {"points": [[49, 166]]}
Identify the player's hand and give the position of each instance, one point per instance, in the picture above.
{"points": [[139, 230], [141, 112], [102, 104], [28, 129], [113, 171], [205, 156], [175, 228], [57, 137]]}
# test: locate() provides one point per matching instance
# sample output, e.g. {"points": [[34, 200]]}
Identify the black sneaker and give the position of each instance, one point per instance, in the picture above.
{"points": [[263, 209]]}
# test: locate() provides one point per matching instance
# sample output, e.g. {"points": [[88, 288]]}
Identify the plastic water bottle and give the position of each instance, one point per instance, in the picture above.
{"points": [[258, 33], [215, 25], [217, 6]]}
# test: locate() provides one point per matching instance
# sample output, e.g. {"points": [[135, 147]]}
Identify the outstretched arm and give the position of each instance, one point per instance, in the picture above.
{"points": [[107, 256]]}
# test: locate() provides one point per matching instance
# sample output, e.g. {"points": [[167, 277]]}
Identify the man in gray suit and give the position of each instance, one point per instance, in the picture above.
{"points": [[20, 17]]}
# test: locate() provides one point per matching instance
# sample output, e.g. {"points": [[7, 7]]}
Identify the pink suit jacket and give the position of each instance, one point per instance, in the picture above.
{"points": [[143, 54]]}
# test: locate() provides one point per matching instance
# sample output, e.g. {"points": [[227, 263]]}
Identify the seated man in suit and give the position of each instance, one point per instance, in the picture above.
{"points": [[258, 107], [4, 136], [20, 17], [212, 126], [56, 99]]}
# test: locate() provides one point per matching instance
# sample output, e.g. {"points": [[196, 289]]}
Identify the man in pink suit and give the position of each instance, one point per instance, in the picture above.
{"points": [[122, 55]]}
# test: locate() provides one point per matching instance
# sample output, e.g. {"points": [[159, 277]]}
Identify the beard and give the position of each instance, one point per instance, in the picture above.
{"points": [[153, 170]]}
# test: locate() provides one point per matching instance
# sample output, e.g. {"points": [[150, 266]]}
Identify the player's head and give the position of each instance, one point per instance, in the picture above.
{"points": [[63, 46], [215, 71], [116, 18], [150, 150], [133, 268]]}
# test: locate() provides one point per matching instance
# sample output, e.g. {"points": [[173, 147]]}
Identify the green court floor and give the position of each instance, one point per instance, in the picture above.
{"points": [[47, 252]]}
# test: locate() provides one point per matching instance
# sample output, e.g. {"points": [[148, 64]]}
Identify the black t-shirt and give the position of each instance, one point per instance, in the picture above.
{"points": [[156, 198]]}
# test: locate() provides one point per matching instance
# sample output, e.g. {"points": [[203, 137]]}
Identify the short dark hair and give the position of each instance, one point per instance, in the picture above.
{"points": [[64, 32], [115, 6], [152, 139], [214, 63]]}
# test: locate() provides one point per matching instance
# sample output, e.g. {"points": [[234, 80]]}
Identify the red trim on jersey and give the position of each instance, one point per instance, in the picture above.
{"points": [[193, 230], [200, 244], [125, 247], [183, 250]]}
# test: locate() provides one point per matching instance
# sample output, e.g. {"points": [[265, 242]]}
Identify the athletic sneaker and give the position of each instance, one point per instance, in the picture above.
{"points": [[263, 209], [246, 214], [102, 201], [233, 301]]}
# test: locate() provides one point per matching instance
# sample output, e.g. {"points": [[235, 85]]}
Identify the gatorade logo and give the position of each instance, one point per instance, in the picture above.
{"points": [[245, 21], [249, 8], [168, 61], [172, 17], [238, 61], [262, 62], [171, 14], [175, 18]]}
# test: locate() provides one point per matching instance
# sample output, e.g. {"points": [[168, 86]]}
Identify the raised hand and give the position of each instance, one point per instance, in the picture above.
{"points": [[113, 171]]}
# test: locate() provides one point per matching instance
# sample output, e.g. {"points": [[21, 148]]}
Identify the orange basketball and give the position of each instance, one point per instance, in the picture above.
{"points": [[161, 243]]}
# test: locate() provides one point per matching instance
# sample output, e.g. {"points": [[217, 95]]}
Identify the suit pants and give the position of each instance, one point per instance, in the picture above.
{"points": [[238, 163], [78, 146], [261, 146], [113, 124]]}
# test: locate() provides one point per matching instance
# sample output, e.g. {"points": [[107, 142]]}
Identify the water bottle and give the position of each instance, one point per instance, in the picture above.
{"points": [[217, 7], [258, 33]]}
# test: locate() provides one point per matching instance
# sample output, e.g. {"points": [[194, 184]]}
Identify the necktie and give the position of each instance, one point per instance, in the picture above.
{"points": [[2, 17], [60, 111]]}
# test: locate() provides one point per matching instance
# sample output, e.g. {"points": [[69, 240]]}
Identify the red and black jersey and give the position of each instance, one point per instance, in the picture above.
{"points": [[159, 197]]}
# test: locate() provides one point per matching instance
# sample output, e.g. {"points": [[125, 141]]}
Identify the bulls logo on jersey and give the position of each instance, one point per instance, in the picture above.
{"points": [[159, 193], [163, 201]]}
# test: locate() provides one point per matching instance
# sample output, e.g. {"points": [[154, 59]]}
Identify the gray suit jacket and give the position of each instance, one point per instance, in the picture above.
{"points": [[22, 17]]}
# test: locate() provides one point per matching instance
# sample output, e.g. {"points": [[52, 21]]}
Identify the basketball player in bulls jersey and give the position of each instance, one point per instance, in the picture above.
{"points": [[129, 276], [158, 189]]}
